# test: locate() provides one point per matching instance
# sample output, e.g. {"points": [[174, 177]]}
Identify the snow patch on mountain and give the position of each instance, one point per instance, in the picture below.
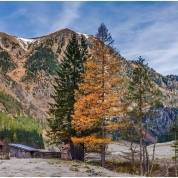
{"points": [[24, 42], [86, 36]]}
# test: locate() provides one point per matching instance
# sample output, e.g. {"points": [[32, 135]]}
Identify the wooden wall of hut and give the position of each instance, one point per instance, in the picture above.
{"points": [[20, 153], [47, 154]]}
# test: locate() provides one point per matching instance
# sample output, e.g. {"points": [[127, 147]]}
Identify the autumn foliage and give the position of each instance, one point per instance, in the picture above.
{"points": [[99, 98]]}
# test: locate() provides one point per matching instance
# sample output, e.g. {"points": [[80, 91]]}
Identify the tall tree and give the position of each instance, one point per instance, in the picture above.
{"points": [[142, 94], [99, 98], [175, 143], [104, 35], [67, 80], [128, 132]]}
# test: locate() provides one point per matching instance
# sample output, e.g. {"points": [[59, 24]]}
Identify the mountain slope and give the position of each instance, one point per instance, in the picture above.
{"points": [[28, 68], [31, 69]]}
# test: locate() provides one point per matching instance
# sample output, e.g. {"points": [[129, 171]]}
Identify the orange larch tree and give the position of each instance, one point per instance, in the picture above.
{"points": [[99, 98]]}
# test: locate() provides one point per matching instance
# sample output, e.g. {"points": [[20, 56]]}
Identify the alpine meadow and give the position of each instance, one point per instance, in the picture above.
{"points": [[73, 96]]}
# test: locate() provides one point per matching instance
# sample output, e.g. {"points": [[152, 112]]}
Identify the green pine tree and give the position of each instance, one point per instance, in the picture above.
{"points": [[67, 80], [175, 143], [142, 95]]}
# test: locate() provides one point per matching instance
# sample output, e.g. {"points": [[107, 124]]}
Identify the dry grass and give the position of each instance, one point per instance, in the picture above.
{"points": [[162, 150], [60, 168], [52, 168], [163, 165]]}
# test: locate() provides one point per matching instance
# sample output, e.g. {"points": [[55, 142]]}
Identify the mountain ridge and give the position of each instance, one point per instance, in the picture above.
{"points": [[25, 73]]}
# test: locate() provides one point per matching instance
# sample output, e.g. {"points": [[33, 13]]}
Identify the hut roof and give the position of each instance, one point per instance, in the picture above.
{"points": [[27, 148], [2, 144]]}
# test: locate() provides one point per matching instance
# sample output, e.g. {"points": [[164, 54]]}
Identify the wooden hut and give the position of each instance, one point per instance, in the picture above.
{"points": [[21, 151]]}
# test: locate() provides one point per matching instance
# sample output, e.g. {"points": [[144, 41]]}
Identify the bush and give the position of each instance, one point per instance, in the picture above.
{"points": [[6, 62], [44, 59]]}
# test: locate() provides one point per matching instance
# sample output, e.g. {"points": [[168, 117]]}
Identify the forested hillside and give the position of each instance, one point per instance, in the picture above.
{"points": [[28, 68], [21, 129]]}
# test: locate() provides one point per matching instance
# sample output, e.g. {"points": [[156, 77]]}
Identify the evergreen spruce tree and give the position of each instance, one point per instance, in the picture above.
{"points": [[175, 143], [67, 80]]}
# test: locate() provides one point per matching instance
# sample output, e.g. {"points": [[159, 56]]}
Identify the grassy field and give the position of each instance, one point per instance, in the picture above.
{"points": [[52, 168], [61, 168], [162, 150]]}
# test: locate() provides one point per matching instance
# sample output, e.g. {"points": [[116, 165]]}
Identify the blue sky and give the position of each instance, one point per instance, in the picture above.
{"points": [[149, 29]]}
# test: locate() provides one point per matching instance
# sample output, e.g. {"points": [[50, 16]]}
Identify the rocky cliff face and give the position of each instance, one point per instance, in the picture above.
{"points": [[161, 121], [27, 71]]}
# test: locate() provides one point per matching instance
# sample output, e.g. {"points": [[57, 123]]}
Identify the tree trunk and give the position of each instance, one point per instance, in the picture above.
{"points": [[175, 155], [77, 151], [66, 150], [153, 156], [144, 158], [147, 161], [103, 155], [71, 151], [133, 156], [141, 168], [103, 145]]}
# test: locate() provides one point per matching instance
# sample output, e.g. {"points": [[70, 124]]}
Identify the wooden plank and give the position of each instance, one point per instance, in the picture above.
{"points": [[47, 155]]}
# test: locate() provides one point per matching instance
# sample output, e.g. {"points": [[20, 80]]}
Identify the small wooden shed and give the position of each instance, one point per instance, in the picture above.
{"points": [[21, 151]]}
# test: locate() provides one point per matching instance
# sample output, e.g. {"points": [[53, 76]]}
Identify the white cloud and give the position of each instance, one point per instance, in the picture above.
{"points": [[153, 35], [17, 13], [66, 18], [148, 29]]}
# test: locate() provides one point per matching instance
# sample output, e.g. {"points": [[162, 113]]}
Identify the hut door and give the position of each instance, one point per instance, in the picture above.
{"points": [[32, 154]]}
